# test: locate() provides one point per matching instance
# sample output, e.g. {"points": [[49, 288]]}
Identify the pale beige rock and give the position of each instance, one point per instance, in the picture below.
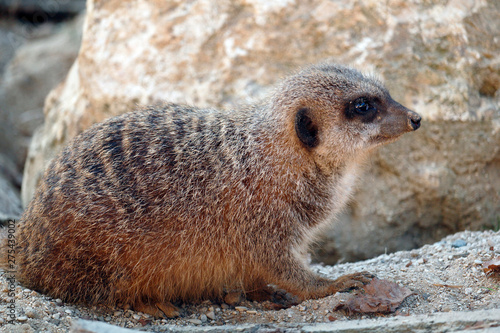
{"points": [[440, 59]]}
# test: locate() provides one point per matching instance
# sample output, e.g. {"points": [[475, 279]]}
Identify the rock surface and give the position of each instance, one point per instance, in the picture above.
{"points": [[10, 181], [451, 293], [42, 10], [440, 322], [37, 66], [439, 58]]}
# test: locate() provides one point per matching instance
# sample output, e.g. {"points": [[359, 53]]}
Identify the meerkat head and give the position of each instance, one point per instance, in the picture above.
{"points": [[338, 113]]}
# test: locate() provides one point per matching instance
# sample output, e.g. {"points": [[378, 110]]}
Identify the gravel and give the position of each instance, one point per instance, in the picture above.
{"points": [[446, 277]]}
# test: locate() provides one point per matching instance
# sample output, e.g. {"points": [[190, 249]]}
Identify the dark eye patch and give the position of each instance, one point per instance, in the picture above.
{"points": [[364, 108]]}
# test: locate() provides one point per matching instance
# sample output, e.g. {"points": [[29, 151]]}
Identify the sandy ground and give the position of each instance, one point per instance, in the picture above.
{"points": [[445, 277]]}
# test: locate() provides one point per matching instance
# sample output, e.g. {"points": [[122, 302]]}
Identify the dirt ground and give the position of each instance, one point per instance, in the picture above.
{"points": [[445, 277]]}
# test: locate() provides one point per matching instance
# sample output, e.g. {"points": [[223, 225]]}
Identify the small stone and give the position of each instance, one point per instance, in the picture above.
{"points": [[302, 308], [195, 321], [68, 311], [459, 243], [425, 296], [210, 315], [478, 262], [117, 313], [22, 318], [56, 316], [58, 301], [31, 313], [203, 318], [136, 316], [460, 255], [252, 312], [240, 308], [224, 306], [468, 291]]}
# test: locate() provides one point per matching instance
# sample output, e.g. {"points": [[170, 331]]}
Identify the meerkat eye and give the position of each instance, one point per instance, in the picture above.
{"points": [[363, 108], [362, 105]]}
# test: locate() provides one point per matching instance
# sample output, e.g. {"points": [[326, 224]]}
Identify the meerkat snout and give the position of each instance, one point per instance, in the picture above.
{"points": [[414, 120]]}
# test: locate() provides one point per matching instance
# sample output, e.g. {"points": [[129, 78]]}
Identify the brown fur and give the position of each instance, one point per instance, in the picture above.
{"points": [[178, 203]]}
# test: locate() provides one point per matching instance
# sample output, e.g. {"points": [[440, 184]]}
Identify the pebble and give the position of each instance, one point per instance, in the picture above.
{"points": [[478, 262], [468, 291], [58, 301], [203, 318], [195, 321], [56, 316], [31, 313], [240, 308], [210, 315], [136, 316], [22, 318], [459, 243]]}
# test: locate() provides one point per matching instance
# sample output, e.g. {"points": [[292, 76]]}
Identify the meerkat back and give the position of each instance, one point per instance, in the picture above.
{"points": [[175, 203]]}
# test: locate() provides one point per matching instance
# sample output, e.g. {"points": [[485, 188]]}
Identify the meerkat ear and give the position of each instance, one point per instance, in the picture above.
{"points": [[306, 128]]}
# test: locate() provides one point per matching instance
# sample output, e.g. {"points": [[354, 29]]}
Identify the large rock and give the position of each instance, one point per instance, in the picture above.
{"points": [[439, 58], [37, 66]]}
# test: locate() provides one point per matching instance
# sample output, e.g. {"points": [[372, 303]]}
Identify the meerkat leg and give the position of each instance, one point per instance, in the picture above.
{"points": [[170, 310], [233, 297], [298, 280]]}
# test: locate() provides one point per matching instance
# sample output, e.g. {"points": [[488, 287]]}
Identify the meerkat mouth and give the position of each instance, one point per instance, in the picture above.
{"points": [[383, 139]]}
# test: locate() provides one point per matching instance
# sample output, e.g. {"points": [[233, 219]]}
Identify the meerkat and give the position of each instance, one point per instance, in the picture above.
{"points": [[175, 203]]}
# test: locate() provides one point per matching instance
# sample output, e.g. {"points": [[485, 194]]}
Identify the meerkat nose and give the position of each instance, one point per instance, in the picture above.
{"points": [[414, 120]]}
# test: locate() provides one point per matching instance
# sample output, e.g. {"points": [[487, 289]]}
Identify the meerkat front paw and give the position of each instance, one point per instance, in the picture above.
{"points": [[158, 310], [351, 281], [280, 298]]}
